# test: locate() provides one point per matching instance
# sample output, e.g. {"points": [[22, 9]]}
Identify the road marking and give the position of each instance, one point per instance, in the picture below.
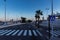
{"points": [[56, 33], [25, 33], [53, 34], [30, 33], [20, 33], [39, 33], [15, 33], [10, 32], [5, 32], [34, 33], [2, 31]]}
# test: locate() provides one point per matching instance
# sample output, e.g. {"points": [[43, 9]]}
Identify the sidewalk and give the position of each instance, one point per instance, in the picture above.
{"points": [[2, 26]]}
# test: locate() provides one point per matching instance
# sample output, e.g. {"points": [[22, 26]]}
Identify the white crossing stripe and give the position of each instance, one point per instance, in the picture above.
{"points": [[15, 33], [30, 33], [25, 33], [39, 33], [10, 32], [19, 34], [53, 34], [1, 31], [35, 34], [57, 32], [5, 32]]}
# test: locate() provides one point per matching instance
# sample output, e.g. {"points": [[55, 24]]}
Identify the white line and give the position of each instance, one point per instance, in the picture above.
{"points": [[20, 33], [25, 33], [53, 34], [15, 33], [57, 33], [10, 32], [39, 33], [30, 33], [34, 33], [5, 32], [1, 31]]}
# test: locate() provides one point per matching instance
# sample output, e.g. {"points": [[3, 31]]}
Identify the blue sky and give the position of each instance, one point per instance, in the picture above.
{"points": [[27, 8]]}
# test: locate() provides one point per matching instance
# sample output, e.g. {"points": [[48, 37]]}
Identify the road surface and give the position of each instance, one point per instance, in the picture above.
{"points": [[23, 32]]}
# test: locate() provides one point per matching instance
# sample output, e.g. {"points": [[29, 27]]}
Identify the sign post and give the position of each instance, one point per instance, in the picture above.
{"points": [[52, 19]]}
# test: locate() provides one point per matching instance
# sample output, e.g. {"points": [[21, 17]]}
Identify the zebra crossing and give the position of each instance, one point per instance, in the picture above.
{"points": [[20, 33], [55, 33]]}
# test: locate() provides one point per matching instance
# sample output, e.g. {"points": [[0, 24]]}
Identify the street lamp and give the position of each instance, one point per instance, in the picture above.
{"points": [[52, 7], [5, 11], [49, 19]]}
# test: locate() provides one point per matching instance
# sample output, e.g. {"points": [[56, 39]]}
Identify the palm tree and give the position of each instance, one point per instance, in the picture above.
{"points": [[37, 16]]}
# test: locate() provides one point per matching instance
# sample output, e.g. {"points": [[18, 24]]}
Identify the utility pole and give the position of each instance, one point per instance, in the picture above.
{"points": [[5, 10]]}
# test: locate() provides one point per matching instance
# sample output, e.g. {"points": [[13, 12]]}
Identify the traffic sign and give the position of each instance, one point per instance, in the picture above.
{"points": [[52, 17]]}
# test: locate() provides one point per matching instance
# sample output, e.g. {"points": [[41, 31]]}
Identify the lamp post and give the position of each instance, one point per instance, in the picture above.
{"points": [[51, 7], [51, 27], [50, 19], [5, 11]]}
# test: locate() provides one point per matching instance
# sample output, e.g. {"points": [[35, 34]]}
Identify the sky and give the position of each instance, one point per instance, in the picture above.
{"points": [[26, 8]]}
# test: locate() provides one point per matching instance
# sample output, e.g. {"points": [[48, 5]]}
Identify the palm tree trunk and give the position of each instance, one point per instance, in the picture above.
{"points": [[35, 21], [38, 22]]}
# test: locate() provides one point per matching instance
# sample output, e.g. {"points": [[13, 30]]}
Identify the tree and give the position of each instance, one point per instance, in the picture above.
{"points": [[23, 19], [37, 16]]}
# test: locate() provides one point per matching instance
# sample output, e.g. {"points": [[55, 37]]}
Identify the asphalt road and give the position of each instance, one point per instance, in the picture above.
{"points": [[23, 32]]}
